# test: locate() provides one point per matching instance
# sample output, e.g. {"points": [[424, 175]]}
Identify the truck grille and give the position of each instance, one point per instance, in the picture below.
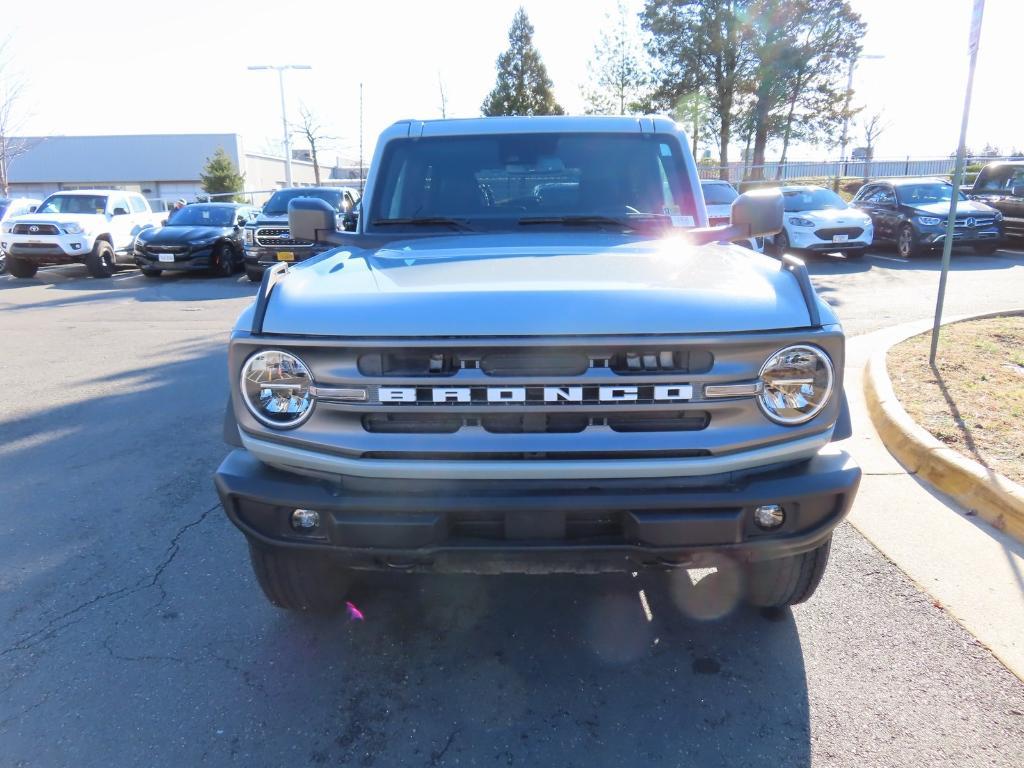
{"points": [[275, 237], [536, 423], [35, 229]]}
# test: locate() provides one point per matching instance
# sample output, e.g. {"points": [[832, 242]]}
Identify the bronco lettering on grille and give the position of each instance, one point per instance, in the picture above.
{"points": [[576, 394]]}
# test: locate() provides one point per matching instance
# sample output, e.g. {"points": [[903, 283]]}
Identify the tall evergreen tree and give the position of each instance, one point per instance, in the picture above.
{"points": [[220, 175], [618, 70], [523, 86]]}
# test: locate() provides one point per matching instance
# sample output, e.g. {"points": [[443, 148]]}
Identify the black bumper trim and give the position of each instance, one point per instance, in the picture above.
{"points": [[662, 523]]}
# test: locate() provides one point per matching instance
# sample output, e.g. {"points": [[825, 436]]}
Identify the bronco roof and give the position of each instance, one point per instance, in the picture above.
{"points": [[535, 124]]}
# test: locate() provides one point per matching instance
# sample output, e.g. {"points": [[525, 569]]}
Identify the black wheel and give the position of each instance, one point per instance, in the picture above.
{"points": [[786, 580], [222, 263], [255, 274], [856, 254], [149, 272], [986, 249], [100, 262], [781, 243], [3, 262], [21, 268], [300, 581], [907, 244]]}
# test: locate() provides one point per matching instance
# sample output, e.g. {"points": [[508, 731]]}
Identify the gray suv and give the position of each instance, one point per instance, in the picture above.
{"points": [[533, 355]]}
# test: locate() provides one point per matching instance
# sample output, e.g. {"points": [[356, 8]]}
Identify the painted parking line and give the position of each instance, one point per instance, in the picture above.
{"points": [[890, 258]]}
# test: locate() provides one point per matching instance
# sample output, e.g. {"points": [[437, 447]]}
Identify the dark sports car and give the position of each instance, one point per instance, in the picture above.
{"points": [[203, 236]]}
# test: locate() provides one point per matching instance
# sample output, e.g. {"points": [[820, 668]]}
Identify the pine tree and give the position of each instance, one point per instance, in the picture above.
{"points": [[220, 175], [618, 71], [523, 86]]}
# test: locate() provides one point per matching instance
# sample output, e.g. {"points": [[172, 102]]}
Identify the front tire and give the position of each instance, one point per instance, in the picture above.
{"points": [[255, 274], [21, 268], [907, 244], [781, 243], [786, 580], [299, 580], [100, 262], [223, 261]]}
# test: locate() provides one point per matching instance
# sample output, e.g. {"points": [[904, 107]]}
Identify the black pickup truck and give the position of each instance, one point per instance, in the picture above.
{"points": [[267, 239], [1001, 185]]}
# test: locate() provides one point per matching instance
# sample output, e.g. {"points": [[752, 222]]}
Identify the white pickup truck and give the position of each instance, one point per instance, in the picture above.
{"points": [[96, 227]]}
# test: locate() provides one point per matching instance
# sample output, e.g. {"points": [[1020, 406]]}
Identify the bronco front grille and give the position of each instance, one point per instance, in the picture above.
{"points": [[274, 237]]}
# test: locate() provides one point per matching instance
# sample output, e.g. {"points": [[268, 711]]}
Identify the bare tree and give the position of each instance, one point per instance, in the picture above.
{"points": [[312, 130], [873, 126], [11, 118], [619, 70], [444, 96]]}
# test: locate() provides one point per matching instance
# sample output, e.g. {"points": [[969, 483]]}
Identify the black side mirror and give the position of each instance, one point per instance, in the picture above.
{"points": [[350, 221], [759, 211], [241, 222], [32, 208], [310, 218], [120, 212]]}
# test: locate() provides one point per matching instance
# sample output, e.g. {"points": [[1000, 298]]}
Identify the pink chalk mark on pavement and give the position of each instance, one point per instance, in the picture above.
{"points": [[354, 613]]}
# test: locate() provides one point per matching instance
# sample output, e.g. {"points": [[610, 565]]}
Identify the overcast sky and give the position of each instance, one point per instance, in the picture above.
{"points": [[144, 67]]}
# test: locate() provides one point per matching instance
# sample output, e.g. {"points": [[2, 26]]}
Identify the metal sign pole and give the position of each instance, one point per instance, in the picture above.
{"points": [[958, 177]]}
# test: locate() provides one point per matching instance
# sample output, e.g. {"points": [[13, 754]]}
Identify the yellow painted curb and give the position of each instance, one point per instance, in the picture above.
{"points": [[992, 496]]}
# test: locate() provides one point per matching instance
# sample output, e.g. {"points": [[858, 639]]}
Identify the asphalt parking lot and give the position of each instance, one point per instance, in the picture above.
{"points": [[134, 634]]}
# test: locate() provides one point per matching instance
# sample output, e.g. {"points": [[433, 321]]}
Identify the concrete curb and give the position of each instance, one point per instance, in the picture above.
{"points": [[994, 497]]}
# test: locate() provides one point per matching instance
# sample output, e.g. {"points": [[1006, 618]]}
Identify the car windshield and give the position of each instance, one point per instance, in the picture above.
{"points": [[505, 181], [926, 192], [74, 204], [203, 216], [277, 205], [812, 200], [719, 194]]}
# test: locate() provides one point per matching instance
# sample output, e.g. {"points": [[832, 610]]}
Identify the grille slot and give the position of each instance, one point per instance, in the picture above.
{"points": [[278, 236], [533, 455], [530, 362], [661, 361], [411, 363], [549, 423], [669, 421], [412, 423]]}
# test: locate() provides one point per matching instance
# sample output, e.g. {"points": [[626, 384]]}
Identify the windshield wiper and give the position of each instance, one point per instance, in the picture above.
{"points": [[424, 221], [630, 221]]}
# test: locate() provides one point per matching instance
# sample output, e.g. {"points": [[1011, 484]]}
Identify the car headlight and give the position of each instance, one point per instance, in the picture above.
{"points": [[800, 221], [999, 216], [796, 384], [929, 221], [275, 386], [72, 229], [248, 237]]}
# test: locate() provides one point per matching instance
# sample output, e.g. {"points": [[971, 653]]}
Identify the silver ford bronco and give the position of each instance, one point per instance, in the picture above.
{"points": [[534, 355]]}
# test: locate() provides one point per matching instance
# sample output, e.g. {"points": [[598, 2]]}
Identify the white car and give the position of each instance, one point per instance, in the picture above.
{"points": [[96, 227], [819, 220], [9, 208], [718, 197]]}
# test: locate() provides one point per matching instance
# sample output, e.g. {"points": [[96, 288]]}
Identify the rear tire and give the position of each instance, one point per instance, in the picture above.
{"points": [[786, 580], [222, 261], [986, 249], [100, 262], [21, 268], [300, 580], [255, 274]]}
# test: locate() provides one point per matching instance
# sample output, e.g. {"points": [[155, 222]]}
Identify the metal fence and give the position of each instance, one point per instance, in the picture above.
{"points": [[863, 169]]}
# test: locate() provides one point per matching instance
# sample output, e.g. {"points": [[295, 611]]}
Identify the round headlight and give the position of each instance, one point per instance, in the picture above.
{"points": [[275, 387], [796, 384]]}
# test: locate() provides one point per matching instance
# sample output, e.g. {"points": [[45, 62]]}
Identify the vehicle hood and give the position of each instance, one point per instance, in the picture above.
{"points": [[835, 217], [963, 208], [541, 284], [275, 219], [183, 234]]}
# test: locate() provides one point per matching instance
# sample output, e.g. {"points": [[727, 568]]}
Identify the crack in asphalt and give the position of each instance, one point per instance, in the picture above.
{"points": [[54, 626], [438, 756]]}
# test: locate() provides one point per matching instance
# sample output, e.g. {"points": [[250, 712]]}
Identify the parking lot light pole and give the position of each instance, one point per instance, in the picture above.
{"points": [[958, 177], [280, 68]]}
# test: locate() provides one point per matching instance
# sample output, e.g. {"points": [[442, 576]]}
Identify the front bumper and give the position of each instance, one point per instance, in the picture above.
{"points": [[933, 236], [549, 525], [47, 249], [198, 259], [806, 240], [264, 257]]}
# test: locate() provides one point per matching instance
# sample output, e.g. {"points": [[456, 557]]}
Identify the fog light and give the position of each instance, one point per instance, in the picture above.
{"points": [[305, 519], [76, 246], [769, 516]]}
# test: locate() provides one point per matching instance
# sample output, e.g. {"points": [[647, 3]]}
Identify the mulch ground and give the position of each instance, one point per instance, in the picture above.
{"points": [[973, 400]]}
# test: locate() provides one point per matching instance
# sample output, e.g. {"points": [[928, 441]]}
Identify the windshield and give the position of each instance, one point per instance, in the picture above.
{"points": [[278, 204], [203, 216], [926, 192], [719, 194], [74, 204], [551, 179], [812, 200]]}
